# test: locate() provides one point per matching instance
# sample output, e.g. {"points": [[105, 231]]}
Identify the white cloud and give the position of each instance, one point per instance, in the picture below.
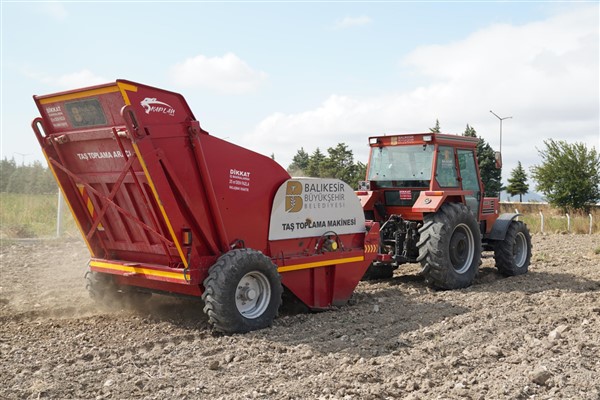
{"points": [[53, 9], [350, 22], [544, 74], [71, 80], [228, 74]]}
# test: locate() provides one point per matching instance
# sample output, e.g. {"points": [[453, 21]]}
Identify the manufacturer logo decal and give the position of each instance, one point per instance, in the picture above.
{"points": [[150, 104], [293, 197]]}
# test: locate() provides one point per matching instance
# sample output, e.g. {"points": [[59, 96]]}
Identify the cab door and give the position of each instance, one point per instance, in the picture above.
{"points": [[470, 179]]}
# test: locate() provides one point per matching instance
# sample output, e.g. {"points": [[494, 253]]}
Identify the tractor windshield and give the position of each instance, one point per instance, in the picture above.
{"points": [[401, 166]]}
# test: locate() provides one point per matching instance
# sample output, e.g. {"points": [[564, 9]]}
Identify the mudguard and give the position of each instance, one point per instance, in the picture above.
{"points": [[501, 226]]}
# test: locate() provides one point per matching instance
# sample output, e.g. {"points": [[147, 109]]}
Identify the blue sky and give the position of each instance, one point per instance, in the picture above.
{"points": [[278, 76]]}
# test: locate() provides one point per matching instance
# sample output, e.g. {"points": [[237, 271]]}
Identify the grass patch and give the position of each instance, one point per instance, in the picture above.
{"points": [[554, 220], [33, 216]]}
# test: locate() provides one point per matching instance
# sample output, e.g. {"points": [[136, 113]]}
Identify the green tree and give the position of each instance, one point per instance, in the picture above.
{"points": [[486, 158], [31, 179], [7, 168], [41, 180], [340, 164], [569, 175], [315, 162], [470, 131], [299, 163], [436, 128], [517, 183], [361, 172], [18, 180]]}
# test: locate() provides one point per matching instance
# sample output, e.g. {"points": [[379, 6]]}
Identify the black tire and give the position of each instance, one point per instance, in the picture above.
{"points": [[378, 271], [100, 287], [513, 254], [450, 247], [242, 292], [103, 290]]}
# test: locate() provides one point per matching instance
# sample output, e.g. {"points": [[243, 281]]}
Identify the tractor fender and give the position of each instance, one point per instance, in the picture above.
{"points": [[501, 226]]}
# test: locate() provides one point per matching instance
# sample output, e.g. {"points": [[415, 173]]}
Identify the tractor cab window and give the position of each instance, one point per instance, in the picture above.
{"points": [[401, 166], [446, 168], [470, 180]]}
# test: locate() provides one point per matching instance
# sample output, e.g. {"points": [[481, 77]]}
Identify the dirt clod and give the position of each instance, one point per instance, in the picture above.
{"points": [[540, 376]]}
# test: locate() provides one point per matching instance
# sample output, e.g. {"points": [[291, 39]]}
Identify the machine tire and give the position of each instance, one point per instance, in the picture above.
{"points": [[100, 287], [513, 254], [450, 247], [376, 272], [105, 292], [242, 292]]}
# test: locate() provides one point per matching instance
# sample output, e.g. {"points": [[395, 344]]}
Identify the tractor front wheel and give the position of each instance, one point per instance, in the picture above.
{"points": [[242, 292], [450, 247], [513, 254]]}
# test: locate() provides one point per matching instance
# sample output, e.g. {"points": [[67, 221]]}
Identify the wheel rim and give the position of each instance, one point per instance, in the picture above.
{"points": [[462, 248], [520, 250], [253, 294]]}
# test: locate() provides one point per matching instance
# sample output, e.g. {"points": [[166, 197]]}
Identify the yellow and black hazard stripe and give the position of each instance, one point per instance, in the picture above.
{"points": [[90, 206]]}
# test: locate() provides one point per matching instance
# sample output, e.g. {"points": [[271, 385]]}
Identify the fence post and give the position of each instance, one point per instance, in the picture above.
{"points": [[568, 222], [542, 224], [591, 223]]}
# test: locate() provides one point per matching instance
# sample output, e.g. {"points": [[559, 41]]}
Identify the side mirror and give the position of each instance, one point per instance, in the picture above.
{"points": [[364, 185], [498, 157]]}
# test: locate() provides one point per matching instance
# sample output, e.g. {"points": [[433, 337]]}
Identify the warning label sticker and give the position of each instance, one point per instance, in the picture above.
{"points": [[239, 180]]}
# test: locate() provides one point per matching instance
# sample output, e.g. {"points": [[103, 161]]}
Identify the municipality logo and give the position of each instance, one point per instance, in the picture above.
{"points": [[293, 197]]}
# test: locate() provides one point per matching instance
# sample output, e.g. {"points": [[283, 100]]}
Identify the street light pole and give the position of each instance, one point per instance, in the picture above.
{"points": [[501, 119]]}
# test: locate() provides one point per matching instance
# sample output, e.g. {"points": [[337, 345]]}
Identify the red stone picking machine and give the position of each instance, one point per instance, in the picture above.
{"points": [[426, 192], [164, 207]]}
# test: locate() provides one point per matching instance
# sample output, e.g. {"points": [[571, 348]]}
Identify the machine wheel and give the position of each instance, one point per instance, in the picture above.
{"points": [[100, 287], [380, 271], [104, 291], [242, 292], [513, 254], [450, 247]]}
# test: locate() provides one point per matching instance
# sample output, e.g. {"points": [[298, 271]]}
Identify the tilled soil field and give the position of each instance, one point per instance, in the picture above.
{"points": [[535, 336]]}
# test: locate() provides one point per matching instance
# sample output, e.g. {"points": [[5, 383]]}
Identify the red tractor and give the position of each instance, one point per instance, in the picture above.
{"points": [[426, 192]]}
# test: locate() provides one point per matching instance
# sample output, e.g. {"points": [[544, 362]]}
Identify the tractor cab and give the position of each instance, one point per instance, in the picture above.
{"points": [[402, 167]]}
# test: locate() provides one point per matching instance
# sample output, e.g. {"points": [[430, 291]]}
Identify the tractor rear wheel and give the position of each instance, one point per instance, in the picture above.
{"points": [[450, 247], [242, 292], [513, 254]]}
